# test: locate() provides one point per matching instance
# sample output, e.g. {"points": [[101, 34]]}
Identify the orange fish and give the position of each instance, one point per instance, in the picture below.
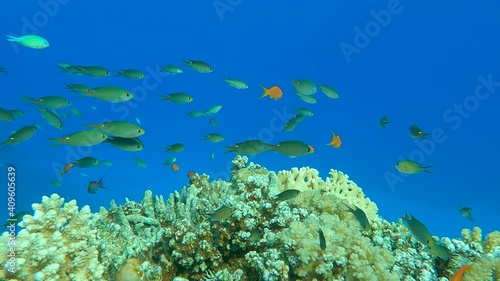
{"points": [[460, 272], [175, 167], [274, 92], [191, 173], [66, 168], [336, 142]]}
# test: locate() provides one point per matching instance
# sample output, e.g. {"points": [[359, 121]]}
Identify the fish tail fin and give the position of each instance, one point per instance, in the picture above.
{"points": [[426, 169], [58, 141], [12, 38], [266, 91], [27, 99], [96, 126], [230, 149]]}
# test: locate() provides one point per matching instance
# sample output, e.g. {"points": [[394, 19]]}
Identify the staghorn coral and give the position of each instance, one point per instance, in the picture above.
{"points": [[173, 239]]}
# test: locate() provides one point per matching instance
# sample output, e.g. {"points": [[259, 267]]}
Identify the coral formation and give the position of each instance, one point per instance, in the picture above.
{"points": [[256, 238]]}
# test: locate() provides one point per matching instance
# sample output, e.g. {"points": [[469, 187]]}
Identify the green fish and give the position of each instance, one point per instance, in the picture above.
{"points": [[213, 110], [131, 73], [171, 69], [169, 161], [112, 94], [5, 115], [322, 240], [221, 214], [94, 71], [86, 162], [419, 231], [213, 122], [299, 117], [286, 195], [466, 212], [4, 71], [123, 129], [139, 163], [176, 147], [249, 147], [293, 148], [127, 144], [51, 118], [106, 163], [417, 133], [18, 217], [214, 137], [290, 125], [304, 87], [440, 252], [329, 91], [195, 113], [383, 122], [238, 84], [15, 112], [199, 66], [30, 41], [181, 98], [22, 134], [53, 102], [304, 111], [308, 99], [55, 182], [79, 88], [76, 112], [82, 138], [360, 216], [411, 167]]}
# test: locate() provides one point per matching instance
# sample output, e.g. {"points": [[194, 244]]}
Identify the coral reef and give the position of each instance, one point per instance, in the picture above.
{"points": [[255, 238]]}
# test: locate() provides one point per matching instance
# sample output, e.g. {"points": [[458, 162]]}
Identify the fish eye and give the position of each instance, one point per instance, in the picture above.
{"points": [[139, 130]]}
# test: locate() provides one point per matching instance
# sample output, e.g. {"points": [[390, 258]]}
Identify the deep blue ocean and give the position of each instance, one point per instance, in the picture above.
{"points": [[435, 64]]}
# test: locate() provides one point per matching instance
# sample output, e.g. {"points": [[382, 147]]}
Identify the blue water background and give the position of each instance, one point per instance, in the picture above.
{"points": [[414, 69]]}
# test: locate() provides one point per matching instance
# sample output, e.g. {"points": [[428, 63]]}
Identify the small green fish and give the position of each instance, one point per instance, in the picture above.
{"points": [[82, 138], [308, 99], [130, 73], [172, 69], [199, 66], [15, 219], [466, 212], [30, 41], [213, 110], [360, 216], [290, 125], [329, 91], [51, 118], [195, 113], [419, 231], [140, 163], [304, 111], [79, 88], [214, 137], [249, 147], [123, 129], [55, 183], [213, 122], [221, 214], [4, 71], [299, 117], [293, 148], [440, 252], [93, 70], [86, 162], [5, 115], [127, 144], [181, 98], [53, 102], [22, 134], [383, 122], [411, 167], [111, 94], [255, 236], [304, 87], [169, 161], [286, 195], [238, 84], [417, 133], [176, 147], [322, 241], [76, 112]]}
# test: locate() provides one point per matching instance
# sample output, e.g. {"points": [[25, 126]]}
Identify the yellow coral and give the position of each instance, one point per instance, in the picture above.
{"points": [[492, 241], [337, 184]]}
